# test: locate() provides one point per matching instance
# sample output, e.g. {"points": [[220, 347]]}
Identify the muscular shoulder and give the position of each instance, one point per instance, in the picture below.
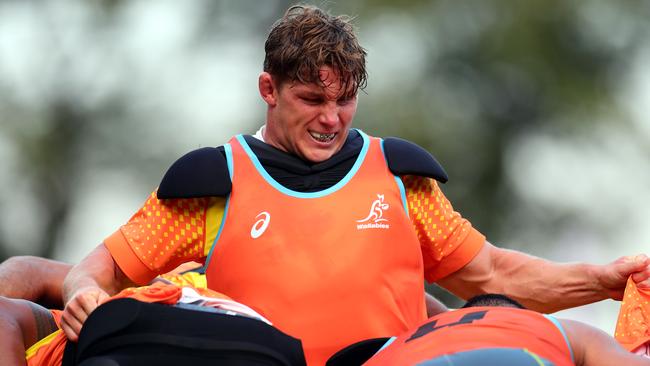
{"points": [[199, 173], [407, 158]]}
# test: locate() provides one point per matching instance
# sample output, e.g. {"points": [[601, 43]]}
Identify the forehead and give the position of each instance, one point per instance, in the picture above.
{"points": [[330, 83]]}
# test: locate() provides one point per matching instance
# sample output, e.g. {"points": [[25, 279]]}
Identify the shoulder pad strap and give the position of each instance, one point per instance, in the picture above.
{"points": [[199, 173], [407, 158]]}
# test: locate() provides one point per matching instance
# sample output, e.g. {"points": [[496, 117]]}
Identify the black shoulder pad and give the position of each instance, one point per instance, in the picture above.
{"points": [[199, 173], [407, 158]]}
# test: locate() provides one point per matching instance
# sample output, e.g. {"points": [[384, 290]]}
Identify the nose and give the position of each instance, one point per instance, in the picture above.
{"points": [[329, 114]]}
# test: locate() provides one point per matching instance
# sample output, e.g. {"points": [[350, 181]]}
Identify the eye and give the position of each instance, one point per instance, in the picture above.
{"points": [[311, 100], [345, 100]]}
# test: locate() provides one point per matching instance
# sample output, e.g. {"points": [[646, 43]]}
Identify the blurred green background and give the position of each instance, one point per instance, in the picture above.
{"points": [[539, 111]]}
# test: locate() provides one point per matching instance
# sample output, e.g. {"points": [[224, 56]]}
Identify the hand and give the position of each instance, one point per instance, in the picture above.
{"points": [[76, 311], [613, 276], [642, 278]]}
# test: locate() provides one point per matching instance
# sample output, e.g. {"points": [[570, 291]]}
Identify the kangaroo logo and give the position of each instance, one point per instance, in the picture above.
{"points": [[376, 211]]}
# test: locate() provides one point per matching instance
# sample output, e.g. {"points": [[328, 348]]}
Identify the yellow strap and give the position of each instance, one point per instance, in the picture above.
{"points": [[31, 351]]}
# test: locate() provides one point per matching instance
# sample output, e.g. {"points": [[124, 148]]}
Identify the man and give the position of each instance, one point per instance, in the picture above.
{"points": [[140, 332], [46, 277], [324, 230], [495, 330]]}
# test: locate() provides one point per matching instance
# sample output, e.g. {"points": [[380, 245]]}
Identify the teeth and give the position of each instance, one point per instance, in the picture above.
{"points": [[323, 137]]}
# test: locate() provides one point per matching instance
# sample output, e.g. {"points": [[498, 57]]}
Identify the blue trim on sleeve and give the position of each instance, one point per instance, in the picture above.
{"points": [[292, 193], [228, 150], [559, 326], [488, 356], [402, 191]]}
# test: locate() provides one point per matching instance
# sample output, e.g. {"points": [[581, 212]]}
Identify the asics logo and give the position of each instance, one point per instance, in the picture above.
{"points": [[375, 219], [259, 227]]}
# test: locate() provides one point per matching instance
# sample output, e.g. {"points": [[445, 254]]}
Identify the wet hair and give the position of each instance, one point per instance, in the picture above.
{"points": [[493, 300], [307, 38]]}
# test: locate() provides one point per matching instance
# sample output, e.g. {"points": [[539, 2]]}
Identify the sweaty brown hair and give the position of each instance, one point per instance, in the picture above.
{"points": [[307, 38]]}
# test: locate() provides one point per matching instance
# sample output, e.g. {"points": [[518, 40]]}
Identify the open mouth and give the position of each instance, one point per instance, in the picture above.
{"points": [[322, 137]]}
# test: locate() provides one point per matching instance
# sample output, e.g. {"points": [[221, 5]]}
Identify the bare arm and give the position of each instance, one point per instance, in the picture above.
{"points": [[45, 279], [593, 347], [23, 323], [434, 306], [13, 345], [90, 282], [540, 284]]}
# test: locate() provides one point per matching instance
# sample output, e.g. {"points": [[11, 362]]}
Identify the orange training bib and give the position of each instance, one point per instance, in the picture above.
{"points": [[330, 267]]}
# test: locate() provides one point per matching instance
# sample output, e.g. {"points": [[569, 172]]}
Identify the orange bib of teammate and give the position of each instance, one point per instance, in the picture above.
{"points": [[633, 325], [330, 267], [481, 333]]}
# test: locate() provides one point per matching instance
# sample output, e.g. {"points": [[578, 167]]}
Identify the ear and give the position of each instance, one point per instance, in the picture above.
{"points": [[268, 89]]}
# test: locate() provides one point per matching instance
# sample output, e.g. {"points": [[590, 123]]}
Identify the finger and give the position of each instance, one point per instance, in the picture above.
{"points": [[103, 296], [75, 310], [643, 285], [629, 265], [70, 326], [643, 259], [88, 303], [642, 278]]}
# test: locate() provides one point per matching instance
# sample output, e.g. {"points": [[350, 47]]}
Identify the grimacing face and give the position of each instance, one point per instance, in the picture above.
{"points": [[311, 121]]}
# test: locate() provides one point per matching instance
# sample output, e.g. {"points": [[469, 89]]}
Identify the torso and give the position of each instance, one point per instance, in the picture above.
{"points": [[492, 334], [330, 267]]}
